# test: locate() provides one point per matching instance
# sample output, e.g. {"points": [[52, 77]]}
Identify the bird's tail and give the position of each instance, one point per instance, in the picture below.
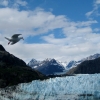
{"points": [[7, 38]]}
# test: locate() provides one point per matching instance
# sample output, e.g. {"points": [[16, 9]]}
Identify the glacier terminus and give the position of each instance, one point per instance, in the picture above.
{"points": [[78, 87]]}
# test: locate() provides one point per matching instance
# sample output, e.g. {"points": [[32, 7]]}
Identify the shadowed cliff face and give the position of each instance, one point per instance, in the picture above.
{"points": [[86, 67], [14, 70]]}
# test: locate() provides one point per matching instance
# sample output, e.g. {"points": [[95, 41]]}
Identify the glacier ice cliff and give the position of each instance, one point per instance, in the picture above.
{"points": [[79, 87]]}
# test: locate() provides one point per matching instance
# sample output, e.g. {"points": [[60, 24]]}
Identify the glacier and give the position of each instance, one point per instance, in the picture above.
{"points": [[78, 87]]}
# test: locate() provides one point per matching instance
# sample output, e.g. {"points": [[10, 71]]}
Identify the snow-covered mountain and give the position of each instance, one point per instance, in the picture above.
{"points": [[79, 87], [34, 63], [52, 66], [72, 64], [48, 66]]}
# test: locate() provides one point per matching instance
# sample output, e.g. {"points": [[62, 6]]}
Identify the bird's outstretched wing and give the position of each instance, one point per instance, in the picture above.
{"points": [[7, 38], [16, 35]]}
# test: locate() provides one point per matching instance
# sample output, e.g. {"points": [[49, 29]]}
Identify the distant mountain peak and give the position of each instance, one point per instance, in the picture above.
{"points": [[47, 66], [49, 59], [72, 63], [33, 63], [33, 60]]}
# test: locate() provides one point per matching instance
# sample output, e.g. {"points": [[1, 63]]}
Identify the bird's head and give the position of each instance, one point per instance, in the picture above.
{"points": [[21, 38]]}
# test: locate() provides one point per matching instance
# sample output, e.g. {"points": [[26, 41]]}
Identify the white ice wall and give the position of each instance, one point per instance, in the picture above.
{"points": [[65, 85], [57, 87]]}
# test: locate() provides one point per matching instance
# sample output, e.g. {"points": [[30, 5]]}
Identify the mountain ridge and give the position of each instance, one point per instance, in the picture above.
{"points": [[14, 70], [73, 63], [86, 67], [48, 66]]}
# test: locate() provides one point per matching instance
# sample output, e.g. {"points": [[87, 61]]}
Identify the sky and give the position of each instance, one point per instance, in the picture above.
{"points": [[62, 29]]}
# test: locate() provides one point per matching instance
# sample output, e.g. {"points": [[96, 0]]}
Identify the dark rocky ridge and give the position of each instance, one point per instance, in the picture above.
{"points": [[14, 70], [2, 48], [86, 67]]}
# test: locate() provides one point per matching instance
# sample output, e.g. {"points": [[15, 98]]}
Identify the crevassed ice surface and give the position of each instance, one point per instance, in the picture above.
{"points": [[80, 87]]}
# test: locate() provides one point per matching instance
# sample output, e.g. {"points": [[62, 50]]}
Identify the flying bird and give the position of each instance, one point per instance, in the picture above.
{"points": [[14, 39]]}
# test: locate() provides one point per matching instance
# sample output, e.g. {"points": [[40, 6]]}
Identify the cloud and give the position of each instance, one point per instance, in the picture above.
{"points": [[59, 52], [79, 38], [4, 2], [13, 3], [20, 2], [52, 40], [38, 22], [95, 10], [82, 43], [75, 33], [29, 21]]}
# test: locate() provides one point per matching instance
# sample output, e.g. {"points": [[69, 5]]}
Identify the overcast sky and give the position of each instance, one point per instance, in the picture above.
{"points": [[61, 29]]}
